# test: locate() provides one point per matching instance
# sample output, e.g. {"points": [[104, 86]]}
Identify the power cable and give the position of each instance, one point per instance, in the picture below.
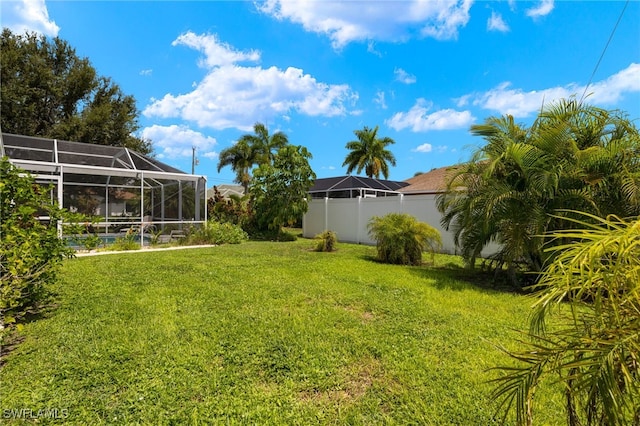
{"points": [[603, 51]]}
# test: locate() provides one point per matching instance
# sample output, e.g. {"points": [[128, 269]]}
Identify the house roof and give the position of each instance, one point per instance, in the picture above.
{"points": [[342, 183], [432, 181], [226, 190]]}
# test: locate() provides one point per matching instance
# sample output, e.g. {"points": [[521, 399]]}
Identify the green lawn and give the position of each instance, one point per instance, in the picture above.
{"points": [[265, 333]]}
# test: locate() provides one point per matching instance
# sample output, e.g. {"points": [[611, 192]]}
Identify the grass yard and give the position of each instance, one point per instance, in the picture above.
{"points": [[265, 333]]}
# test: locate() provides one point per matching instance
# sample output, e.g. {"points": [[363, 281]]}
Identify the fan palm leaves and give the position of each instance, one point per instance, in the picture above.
{"points": [[251, 150], [573, 157], [592, 288], [265, 145], [369, 153], [241, 157]]}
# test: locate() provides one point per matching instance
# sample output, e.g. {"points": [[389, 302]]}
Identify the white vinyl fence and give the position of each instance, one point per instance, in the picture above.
{"points": [[348, 217]]}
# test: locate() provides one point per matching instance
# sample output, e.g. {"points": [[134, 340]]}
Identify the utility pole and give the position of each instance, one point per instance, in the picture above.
{"points": [[194, 160]]}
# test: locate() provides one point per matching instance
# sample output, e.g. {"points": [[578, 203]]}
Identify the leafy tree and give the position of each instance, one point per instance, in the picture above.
{"points": [[574, 157], [401, 238], [48, 91], [30, 250], [593, 289], [369, 153], [279, 191]]}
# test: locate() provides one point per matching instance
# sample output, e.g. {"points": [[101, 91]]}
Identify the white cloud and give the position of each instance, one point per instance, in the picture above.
{"points": [[371, 48], [146, 72], [347, 21], [379, 99], [544, 8], [28, 16], [177, 141], [516, 102], [611, 90], [425, 147], [418, 118], [404, 77], [496, 23], [234, 96], [216, 53]]}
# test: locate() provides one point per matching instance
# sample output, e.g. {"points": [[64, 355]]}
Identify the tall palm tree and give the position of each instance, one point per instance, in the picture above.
{"points": [[241, 157], [251, 150], [265, 145], [370, 153]]}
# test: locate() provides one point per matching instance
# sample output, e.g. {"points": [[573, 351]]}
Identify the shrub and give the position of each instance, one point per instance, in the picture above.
{"points": [[595, 277], [327, 241], [217, 233], [30, 250], [401, 239]]}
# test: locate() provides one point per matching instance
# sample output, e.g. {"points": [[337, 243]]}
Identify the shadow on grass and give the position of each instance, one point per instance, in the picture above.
{"points": [[14, 337], [455, 277]]}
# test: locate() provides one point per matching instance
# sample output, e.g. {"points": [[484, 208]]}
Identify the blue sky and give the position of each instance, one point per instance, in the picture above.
{"points": [[204, 72]]}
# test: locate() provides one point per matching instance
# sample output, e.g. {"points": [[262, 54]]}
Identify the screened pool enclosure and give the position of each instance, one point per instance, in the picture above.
{"points": [[122, 192]]}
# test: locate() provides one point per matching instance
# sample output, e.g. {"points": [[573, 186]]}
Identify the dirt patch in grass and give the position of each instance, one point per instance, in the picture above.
{"points": [[358, 379]]}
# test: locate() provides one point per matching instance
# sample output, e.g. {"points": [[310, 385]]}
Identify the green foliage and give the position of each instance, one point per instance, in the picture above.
{"points": [[48, 91], [593, 286], [370, 153], [401, 239], [30, 250], [574, 157], [128, 242], [279, 191], [236, 210], [216, 233], [327, 241]]}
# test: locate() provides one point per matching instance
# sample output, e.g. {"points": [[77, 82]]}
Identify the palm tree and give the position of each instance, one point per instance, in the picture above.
{"points": [[251, 150], [573, 157], [241, 157], [265, 145], [369, 153]]}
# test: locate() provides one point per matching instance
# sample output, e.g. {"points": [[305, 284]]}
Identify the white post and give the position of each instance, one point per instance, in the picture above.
{"points": [[326, 213], [141, 209]]}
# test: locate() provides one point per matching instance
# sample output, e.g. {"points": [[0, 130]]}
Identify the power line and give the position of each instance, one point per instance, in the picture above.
{"points": [[603, 51]]}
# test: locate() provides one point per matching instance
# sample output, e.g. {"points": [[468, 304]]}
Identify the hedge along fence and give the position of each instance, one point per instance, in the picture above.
{"points": [[30, 249]]}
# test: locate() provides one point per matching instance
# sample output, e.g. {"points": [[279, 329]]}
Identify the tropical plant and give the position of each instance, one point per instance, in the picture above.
{"points": [[30, 250], [593, 288], [217, 233], [326, 241], [279, 192], [234, 209], [241, 157], [401, 238], [251, 150], [369, 153], [574, 156], [265, 146]]}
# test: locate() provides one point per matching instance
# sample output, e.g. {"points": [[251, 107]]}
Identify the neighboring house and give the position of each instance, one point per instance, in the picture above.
{"points": [[226, 191], [346, 204], [434, 181], [353, 187]]}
